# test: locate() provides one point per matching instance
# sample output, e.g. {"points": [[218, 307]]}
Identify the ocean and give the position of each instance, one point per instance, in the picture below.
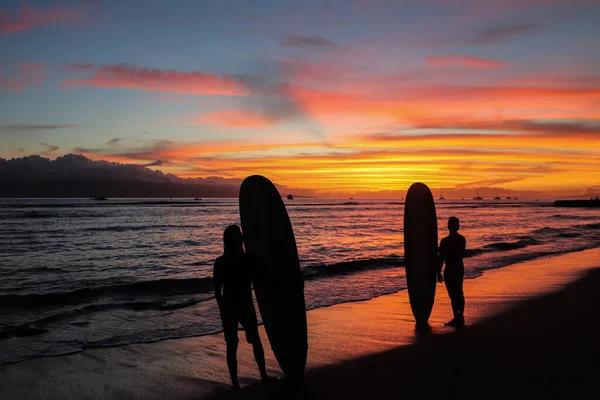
{"points": [[78, 274]]}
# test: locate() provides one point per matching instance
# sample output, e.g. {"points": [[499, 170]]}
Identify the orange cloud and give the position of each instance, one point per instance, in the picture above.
{"points": [[30, 17], [464, 61], [233, 119], [392, 170], [389, 162], [157, 80]]}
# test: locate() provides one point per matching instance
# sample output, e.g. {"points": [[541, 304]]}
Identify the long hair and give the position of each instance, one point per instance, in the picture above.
{"points": [[233, 240]]}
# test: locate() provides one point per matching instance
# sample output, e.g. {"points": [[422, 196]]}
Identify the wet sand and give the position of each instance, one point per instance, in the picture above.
{"points": [[519, 339]]}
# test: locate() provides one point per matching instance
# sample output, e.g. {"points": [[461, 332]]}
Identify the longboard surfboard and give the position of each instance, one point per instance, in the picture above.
{"points": [[420, 250], [279, 288]]}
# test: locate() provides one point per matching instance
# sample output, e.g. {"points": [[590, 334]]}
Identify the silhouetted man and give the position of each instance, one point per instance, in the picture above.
{"points": [[452, 249], [232, 279]]}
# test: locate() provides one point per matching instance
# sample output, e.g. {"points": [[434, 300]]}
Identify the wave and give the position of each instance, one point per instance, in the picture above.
{"points": [[118, 202], [125, 228], [569, 234], [20, 331], [172, 287], [346, 267], [589, 226], [519, 244], [547, 230], [37, 326], [152, 288]]}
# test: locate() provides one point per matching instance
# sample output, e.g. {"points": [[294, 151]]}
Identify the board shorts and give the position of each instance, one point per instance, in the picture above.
{"points": [[245, 317]]}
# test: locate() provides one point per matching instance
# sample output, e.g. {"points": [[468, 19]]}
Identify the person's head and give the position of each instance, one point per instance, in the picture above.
{"points": [[453, 224], [232, 239]]}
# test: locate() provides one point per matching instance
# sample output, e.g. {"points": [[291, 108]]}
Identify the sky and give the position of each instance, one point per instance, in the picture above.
{"points": [[334, 96]]}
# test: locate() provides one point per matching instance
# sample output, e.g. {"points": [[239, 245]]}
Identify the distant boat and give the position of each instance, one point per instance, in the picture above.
{"points": [[516, 198], [441, 195], [290, 197], [478, 197], [508, 195], [197, 198], [497, 197], [99, 198]]}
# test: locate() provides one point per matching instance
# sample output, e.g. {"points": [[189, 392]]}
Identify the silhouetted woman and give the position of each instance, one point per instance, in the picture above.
{"points": [[232, 279]]}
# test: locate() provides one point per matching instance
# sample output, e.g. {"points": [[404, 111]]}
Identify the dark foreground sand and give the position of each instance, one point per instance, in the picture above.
{"points": [[517, 343]]}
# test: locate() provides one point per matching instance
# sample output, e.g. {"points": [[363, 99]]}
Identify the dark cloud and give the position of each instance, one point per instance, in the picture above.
{"points": [[75, 175], [88, 150], [36, 127], [503, 31], [157, 163], [272, 97], [147, 151], [306, 42], [49, 147]]}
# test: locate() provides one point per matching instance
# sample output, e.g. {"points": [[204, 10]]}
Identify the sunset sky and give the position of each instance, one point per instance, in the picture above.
{"points": [[337, 96]]}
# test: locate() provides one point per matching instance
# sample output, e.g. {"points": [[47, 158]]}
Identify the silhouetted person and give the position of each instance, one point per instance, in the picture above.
{"points": [[452, 250], [232, 279]]}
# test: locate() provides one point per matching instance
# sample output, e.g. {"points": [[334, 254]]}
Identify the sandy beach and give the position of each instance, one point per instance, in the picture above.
{"points": [[531, 327]]}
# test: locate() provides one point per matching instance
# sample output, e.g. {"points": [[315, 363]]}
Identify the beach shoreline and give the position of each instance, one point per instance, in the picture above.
{"points": [[339, 336]]}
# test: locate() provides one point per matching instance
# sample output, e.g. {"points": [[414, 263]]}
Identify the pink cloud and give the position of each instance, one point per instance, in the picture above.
{"points": [[157, 80], [464, 61], [233, 119], [30, 17]]}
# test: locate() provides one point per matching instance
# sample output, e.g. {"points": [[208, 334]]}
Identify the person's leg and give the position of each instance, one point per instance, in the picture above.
{"points": [[259, 356], [460, 300], [251, 329], [450, 289], [250, 326], [232, 364], [454, 287], [230, 328]]}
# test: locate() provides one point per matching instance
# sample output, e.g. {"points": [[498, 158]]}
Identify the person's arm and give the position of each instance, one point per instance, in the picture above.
{"points": [[441, 260], [218, 284]]}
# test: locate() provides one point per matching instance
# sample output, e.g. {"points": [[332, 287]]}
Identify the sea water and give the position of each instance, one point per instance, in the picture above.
{"points": [[77, 274]]}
